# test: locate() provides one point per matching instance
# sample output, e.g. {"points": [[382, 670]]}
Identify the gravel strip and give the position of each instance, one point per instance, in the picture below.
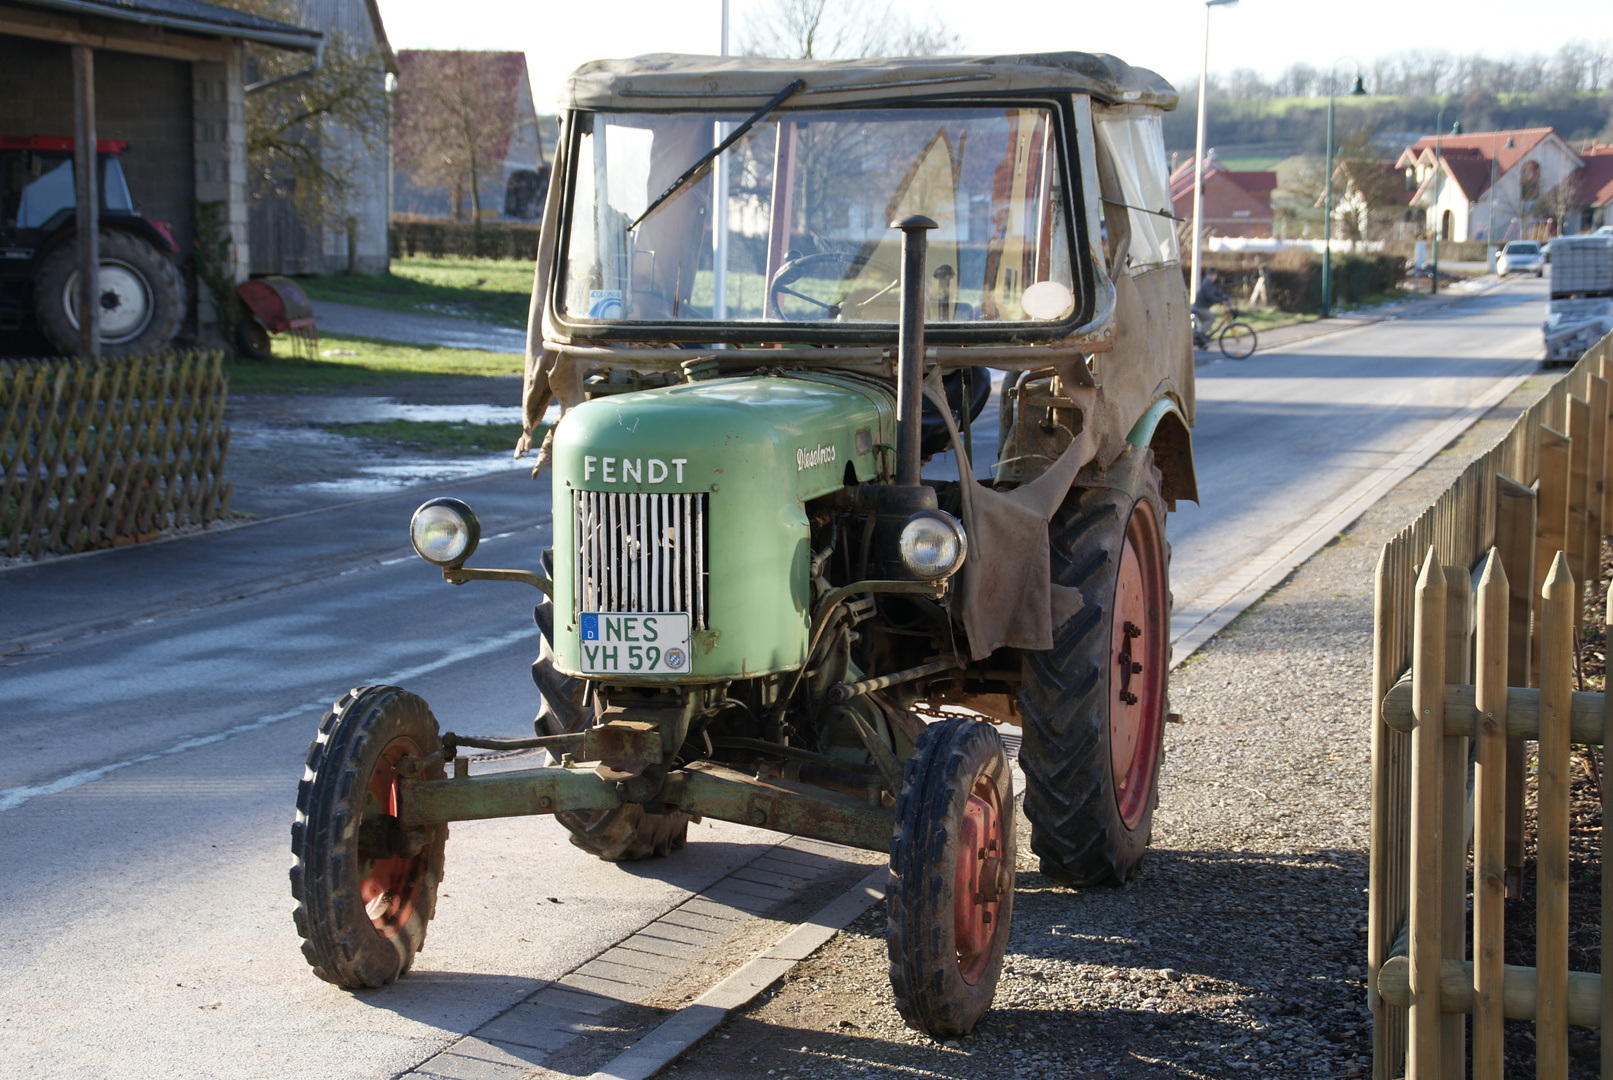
{"points": [[1240, 947]]}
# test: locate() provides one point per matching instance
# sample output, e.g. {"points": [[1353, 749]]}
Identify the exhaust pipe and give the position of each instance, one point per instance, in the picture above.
{"points": [[910, 348]]}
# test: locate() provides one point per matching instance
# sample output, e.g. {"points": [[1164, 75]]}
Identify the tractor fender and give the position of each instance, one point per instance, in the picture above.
{"points": [[158, 238], [1163, 429]]}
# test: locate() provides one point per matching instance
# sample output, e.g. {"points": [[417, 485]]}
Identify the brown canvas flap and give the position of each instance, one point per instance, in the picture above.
{"points": [[1008, 596]]}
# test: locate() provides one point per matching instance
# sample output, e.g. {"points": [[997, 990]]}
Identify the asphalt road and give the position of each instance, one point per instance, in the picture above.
{"points": [[157, 702]]}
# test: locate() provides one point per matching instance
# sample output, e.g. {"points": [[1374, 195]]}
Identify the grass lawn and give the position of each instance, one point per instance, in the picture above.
{"points": [[492, 290], [435, 436], [353, 361]]}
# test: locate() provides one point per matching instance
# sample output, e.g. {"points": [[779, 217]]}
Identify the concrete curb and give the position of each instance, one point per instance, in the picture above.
{"points": [[696, 1020]]}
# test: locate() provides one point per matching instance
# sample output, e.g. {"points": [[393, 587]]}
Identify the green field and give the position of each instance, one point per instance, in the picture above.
{"points": [[492, 290], [353, 361]]}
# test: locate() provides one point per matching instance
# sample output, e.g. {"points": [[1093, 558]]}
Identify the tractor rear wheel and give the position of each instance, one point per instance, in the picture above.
{"points": [[622, 833], [365, 887], [951, 895], [142, 296], [1094, 704]]}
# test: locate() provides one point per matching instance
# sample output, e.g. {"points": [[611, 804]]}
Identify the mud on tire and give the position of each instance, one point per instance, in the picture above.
{"points": [[951, 896], [365, 888], [622, 833], [1084, 830]]}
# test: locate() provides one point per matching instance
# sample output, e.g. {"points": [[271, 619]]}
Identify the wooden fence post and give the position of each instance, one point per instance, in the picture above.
{"points": [[1489, 818], [1597, 390], [1384, 672], [1453, 829], [1427, 810], [1551, 519], [1551, 847], [1605, 370], [1515, 544], [1607, 878], [1579, 484]]}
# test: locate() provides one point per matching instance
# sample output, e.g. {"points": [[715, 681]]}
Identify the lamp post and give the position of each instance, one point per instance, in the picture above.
{"points": [[1439, 183], [1198, 158], [1327, 184]]}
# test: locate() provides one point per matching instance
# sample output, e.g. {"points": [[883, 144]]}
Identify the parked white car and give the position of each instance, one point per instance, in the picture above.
{"points": [[1521, 257]]}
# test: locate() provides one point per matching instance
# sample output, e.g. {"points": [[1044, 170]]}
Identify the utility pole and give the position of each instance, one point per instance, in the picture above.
{"points": [[1198, 160]]}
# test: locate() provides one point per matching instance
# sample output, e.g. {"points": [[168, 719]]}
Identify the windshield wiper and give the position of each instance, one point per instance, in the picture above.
{"points": [[699, 168]]}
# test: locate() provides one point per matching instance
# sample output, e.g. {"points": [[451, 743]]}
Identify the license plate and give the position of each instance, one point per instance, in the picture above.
{"points": [[629, 643]]}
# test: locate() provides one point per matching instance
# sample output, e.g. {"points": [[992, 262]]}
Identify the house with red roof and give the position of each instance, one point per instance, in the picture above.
{"points": [[1529, 169], [1235, 203], [1593, 192]]}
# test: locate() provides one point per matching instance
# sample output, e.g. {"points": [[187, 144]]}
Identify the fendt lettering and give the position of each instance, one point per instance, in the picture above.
{"points": [[633, 469], [810, 643]]}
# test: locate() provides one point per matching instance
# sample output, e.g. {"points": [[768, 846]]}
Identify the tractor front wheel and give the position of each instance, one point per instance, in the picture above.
{"points": [[951, 894], [365, 887]]}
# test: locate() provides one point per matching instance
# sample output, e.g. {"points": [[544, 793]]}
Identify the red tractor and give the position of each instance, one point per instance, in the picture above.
{"points": [[142, 295]]}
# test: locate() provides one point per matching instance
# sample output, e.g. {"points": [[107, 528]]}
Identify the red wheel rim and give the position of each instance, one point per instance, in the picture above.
{"points": [[1137, 658], [981, 879], [391, 884]]}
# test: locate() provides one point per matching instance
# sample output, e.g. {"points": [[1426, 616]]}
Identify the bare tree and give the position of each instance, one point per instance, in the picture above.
{"points": [[1372, 188], [312, 139], [454, 119], [827, 29]]}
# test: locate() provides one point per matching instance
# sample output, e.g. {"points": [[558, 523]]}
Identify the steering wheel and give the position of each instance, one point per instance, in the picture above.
{"points": [[795, 268]]}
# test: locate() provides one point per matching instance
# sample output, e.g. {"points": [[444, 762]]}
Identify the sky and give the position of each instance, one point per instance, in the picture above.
{"points": [[1166, 35]]}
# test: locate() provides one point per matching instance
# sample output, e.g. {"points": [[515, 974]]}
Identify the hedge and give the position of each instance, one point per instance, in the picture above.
{"points": [[439, 238]]}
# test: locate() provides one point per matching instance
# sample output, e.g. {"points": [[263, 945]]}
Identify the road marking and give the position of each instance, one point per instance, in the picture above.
{"points": [[1208, 614], [11, 798]]}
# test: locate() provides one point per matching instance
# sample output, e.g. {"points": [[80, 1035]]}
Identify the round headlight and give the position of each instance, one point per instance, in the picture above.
{"points": [[932, 545], [444, 532]]}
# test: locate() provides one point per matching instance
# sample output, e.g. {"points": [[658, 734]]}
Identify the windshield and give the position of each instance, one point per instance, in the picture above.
{"points": [[1521, 248], [803, 224]]}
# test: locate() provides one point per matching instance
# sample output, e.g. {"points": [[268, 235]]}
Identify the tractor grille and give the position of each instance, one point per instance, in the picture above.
{"points": [[641, 553]]}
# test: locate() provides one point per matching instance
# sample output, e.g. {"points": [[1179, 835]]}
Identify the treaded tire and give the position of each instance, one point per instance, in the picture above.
{"points": [[1077, 827], [944, 984], [620, 834], [164, 288], [337, 876]]}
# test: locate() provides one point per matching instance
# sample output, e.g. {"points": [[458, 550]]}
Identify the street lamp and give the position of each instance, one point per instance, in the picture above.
{"points": [[1327, 196], [1198, 159], [1439, 182]]}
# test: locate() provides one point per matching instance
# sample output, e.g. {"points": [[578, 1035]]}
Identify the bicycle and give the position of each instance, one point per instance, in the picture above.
{"points": [[1237, 339]]}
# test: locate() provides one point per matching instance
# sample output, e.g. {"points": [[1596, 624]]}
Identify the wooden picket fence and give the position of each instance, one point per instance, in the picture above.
{"points": [[1478, 607], [100, 452]]}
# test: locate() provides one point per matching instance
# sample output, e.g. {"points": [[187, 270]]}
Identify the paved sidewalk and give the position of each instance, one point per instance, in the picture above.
{"points": [[447, 330]]}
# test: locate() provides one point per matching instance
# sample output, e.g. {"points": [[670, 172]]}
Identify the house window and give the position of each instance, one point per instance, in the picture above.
{"points": [[1446, 221]]}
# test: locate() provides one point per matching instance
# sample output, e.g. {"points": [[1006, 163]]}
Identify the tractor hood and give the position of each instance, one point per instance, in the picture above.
{"points": [[690, 499]]}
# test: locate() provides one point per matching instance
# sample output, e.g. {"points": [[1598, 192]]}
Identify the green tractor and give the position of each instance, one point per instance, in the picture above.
{"points": [[769, 292]]}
